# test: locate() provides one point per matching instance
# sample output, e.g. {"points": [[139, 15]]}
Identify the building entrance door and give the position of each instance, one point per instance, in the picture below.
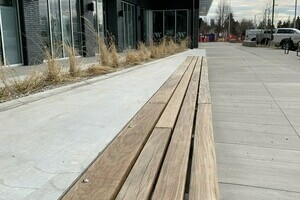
{"points": [[10, 44]]}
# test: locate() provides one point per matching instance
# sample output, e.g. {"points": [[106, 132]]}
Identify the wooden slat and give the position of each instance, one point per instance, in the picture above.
{"points": [[204, 181], [172, 178], [108, 172], [204, 93], [164, 93], [170, 114], [140, 181]]}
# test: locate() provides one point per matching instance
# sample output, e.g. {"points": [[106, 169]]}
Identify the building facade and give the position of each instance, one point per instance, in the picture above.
{"points": [[30, 28]]}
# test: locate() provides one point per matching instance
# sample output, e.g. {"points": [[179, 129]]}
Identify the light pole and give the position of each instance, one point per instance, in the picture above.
{"points": [[229, 18], [296, 4], [272, 23]]}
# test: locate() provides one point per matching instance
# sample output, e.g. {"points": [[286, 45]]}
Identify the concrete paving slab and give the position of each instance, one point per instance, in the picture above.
{"points": [[251, 119], [280, 78], [246, 104], [48, 141], [265, 174], [238, 97], [241, 87], [274, 111], [259, 153], [289, 104], [231, 77], [257, 141], [261, 128], [238, 192]]}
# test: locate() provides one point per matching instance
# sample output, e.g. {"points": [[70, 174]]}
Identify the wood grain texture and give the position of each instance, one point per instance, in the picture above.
{"points": [[172, 178], [204, 180], [140, 182], [109, 171], [204, 93], [167, 89], [170, 114]]}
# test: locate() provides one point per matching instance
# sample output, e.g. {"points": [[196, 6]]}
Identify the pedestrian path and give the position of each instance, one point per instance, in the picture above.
{"points": [[256, 117]]}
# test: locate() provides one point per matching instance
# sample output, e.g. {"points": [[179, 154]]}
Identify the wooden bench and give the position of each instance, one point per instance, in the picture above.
{"points": [[165, 152]]}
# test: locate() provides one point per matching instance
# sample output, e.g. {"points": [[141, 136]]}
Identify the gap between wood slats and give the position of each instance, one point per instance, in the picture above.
{"points": [[172, 178], [187, 184]]}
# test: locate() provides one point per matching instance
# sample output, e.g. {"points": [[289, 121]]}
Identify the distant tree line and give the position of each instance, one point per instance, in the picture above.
{"points": [[289, 23], [224, 15]]}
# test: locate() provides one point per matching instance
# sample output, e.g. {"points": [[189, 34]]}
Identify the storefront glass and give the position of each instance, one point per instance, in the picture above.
{"points": [[10, 43], [128, 21], [60, 26], [170, 23]]}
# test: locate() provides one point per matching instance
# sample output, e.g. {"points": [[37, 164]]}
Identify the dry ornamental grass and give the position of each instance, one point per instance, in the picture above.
{"points": [[13, 86]]}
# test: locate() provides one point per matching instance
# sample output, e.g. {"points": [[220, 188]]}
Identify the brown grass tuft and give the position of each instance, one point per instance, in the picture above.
{"points": [[103, 52], [143, 51], [32, 82], [53, 71], [99, 70], [184, 44], [74, 69], [133, 58], [115, 59], [4, 94]]}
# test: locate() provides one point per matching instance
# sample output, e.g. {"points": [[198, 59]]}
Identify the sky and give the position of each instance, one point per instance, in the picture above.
{"points": [[249, 8]]}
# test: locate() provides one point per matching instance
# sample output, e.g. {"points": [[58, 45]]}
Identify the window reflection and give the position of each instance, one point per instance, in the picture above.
{"points": [[60, 25], [170, 23], [181, 24], [158, 25], [128, 25]]}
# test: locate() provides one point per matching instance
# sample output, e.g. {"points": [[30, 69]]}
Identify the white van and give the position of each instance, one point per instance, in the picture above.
{"points": [[251, 34]]}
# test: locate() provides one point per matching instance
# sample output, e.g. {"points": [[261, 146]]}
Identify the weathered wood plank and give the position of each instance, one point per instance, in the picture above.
{"points": [[172, 178], [141, 180], [204, 93], [204, 181], [108, 172], [167, 89], [170, 114]]}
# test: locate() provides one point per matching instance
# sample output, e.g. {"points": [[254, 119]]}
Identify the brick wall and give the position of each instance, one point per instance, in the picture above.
{"points": [[30, 30]]}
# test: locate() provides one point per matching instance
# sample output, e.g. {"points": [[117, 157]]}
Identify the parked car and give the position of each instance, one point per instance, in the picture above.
{"points": [[284, 36]]}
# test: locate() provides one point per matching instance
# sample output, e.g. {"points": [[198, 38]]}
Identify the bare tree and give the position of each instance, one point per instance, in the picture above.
{"points": [[222, 13]]}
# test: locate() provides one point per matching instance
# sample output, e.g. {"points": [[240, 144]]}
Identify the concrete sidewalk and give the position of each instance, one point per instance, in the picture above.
{"points": [[256, 117], [48, 139]]}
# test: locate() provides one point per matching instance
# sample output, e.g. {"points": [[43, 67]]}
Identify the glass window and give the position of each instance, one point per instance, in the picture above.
{"points": [[76, 23], [44, 25], [60, 25], [128, 25], [98, 17], [66, 25], [181, 24], [158, 25], [55, 20], [11, 44], [170, 23], [6, 3]]}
